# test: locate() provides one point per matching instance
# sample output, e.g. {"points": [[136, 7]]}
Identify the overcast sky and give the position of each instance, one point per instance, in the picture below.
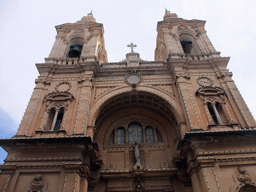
{"points": [[27, 35]]}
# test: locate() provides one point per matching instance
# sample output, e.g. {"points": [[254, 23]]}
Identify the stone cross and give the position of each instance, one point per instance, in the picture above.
{"points": [[132, 46]]}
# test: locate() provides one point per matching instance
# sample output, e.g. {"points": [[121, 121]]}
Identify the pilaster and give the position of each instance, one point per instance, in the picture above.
{"points": [[82, 114], [244, 112], [182, 82]]}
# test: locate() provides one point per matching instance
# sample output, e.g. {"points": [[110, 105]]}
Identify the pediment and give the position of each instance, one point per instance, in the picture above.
{"points": [[59, 96], [210, 91]]}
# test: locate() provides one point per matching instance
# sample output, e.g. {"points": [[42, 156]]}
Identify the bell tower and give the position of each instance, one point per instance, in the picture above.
{"points": [[178, 37], [83, 39]]}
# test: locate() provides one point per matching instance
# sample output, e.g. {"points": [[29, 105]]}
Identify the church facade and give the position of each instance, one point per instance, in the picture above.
{"points": [[176, 124]]}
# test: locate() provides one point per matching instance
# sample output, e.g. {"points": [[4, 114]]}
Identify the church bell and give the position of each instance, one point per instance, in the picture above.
{"points": [[75, 51]]}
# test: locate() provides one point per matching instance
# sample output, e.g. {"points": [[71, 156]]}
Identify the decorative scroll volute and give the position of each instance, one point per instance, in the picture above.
{"points": [[37, 184]]}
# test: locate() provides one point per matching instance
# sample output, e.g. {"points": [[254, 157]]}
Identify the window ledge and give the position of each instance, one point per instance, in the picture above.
{"points": [[60, 132], [142, 146], [221, 127]]}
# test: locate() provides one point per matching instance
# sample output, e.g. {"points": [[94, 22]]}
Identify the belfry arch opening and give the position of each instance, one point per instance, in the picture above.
{"points": [[74, 48], [189, 44]]}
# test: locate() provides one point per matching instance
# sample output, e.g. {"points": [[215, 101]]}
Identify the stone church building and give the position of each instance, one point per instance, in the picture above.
{"points": [[176, 124]]}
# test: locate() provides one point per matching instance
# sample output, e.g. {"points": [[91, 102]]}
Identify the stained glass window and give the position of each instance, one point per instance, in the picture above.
{"points": [[135, 133], [149, 134], [120, 135]]}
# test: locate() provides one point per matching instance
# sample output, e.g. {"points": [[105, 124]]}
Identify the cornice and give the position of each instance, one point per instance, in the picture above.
{"points": [[203, 135], [130, 173]]}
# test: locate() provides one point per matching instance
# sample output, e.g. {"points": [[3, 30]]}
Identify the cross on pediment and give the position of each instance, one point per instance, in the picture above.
{"points": [[132, 46]]}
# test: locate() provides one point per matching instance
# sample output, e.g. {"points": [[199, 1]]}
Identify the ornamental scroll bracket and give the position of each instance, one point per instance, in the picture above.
{"points": [[245, 180], [37, 184]]}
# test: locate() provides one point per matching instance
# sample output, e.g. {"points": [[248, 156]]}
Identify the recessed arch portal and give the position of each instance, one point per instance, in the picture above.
{"points": [[170, 101], [139, 107]]}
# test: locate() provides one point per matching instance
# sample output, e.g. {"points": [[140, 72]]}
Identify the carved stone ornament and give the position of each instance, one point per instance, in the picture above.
{"points": [[205, 81], [37, 184], [58, 96], [209, 92], [182, 27], [63, 87], [138, 185], [133, 78], [243, 176], [246, 182]]}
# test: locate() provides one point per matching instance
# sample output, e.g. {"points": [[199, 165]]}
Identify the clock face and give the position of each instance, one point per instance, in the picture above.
{"points": [[205, 82]]}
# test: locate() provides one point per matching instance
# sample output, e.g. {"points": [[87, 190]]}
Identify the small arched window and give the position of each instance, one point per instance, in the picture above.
{"points": [[217, 113], [135, 133], [55, 119], [213, 113], [120, 135], [59, 119], [149, 132]]}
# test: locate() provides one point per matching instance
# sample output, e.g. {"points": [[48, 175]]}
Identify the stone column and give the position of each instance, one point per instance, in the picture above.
{"points": [[216, 113], [208, 113], [55, 119]]}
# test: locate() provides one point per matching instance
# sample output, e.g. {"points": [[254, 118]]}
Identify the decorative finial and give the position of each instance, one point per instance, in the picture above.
{"points": [[166, 9], [132, 46]]}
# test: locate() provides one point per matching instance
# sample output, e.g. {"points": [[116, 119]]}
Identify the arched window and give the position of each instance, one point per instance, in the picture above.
{"points": [[135, 133], [55, 119], [149, 132], [120, 135], [213, 113], [214, 104], [59, 119], [217, 113]]}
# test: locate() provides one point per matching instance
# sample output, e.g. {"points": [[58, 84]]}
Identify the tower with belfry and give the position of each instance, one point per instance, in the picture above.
{"points": [[176, 124]]}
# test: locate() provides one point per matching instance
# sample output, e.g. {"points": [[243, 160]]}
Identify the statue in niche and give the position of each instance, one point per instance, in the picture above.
{"points": [[137, 155]]}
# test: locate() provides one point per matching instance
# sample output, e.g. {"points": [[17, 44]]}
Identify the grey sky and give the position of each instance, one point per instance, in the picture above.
{"points": [[27, 35]]}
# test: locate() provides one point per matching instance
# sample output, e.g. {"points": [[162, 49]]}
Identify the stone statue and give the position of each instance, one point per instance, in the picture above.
{"points": [[137, 155]]}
